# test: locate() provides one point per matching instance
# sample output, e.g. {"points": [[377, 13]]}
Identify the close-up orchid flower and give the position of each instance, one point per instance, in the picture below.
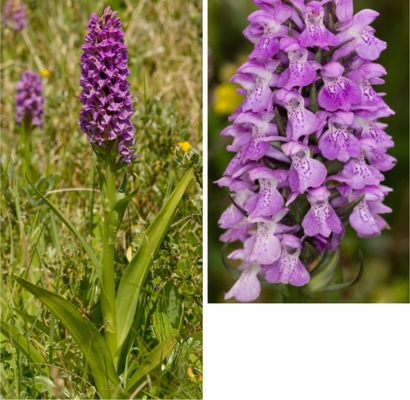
{"points": [[309, 150]]}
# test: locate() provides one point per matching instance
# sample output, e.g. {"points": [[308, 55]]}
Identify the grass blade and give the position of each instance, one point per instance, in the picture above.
{"points": [[136, 271], [22, 343], [86, 335], [153, 360], [71, 227]]}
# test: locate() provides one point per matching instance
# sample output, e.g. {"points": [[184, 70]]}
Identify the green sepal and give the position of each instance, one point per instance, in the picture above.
{"points": [[344, 212], [333, 166], [279, 122]]}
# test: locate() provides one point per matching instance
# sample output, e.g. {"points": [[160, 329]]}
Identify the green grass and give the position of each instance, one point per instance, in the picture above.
{"points": [[165, 60]]}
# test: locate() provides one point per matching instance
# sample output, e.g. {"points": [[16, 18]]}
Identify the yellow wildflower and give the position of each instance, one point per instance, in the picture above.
{"points": [[45, 72], [226, 99], [184, 146], [191, 374]]}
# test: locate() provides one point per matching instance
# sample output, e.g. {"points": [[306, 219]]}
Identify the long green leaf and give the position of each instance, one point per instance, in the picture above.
{"points": [[136, 271], [154, 358], [88, 338], [71, 227], [22, 343], [341, 286], [322, 274]]}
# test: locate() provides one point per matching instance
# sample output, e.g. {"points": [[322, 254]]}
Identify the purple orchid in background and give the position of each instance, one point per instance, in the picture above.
{"points": [[107, 102], [14, 15], [310, 151], [29, 100]]}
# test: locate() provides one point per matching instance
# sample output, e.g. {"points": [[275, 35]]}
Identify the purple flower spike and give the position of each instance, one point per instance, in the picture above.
{"points": [[105, 116], [14, 15], [307, 136], [30, 100]]}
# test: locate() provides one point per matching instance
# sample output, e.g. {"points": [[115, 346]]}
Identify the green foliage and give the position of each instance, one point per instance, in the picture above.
{"points": [[87, 337], [137, 269]]}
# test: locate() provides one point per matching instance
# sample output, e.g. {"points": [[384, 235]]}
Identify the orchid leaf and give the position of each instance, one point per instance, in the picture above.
{"points": [[153, 360], [86, 335], [22, 343], [71, 227], [136, 271], [322, 274], [341, 286]]}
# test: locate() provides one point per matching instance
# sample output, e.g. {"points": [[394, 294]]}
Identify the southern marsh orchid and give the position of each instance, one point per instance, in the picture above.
{"points": [[310, 151]]}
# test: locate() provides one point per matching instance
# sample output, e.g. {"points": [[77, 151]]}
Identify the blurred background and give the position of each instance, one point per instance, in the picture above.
{"points": [[386, 273]]}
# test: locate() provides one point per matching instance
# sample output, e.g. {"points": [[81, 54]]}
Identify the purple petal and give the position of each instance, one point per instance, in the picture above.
{"points": [[363, 221], [247, 287]]}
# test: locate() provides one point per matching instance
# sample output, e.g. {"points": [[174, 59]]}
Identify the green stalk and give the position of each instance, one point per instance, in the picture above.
{"points": [[108, 272], [25, 136]]}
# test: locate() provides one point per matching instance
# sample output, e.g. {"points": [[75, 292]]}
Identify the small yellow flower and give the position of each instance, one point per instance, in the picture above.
{"points": [[191, 374], [184, 146], [45, 72], [226, 99]]}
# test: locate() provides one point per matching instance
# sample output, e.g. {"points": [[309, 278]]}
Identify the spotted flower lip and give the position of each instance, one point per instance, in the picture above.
{"points": [[316, 33], [338, 91], [288, 269], [301, 70], [307, 140], [30, 100], [321, 218], [247, 287], [301, 121], [107, 102]]}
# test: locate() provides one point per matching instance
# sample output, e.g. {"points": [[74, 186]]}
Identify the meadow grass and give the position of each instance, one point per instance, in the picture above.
{"points": [[165, 60]]}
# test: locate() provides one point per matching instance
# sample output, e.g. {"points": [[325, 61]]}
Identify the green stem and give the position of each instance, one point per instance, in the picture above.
{"points": [[25, 136], [295, 295], [108, 271]]}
